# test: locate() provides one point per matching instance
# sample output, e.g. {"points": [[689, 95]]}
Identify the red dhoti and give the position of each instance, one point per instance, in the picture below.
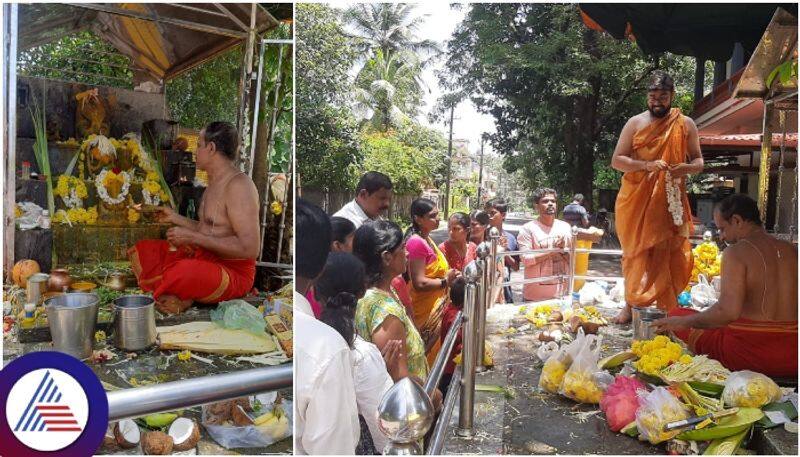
{"points": [[191, 273], [763, 346]]}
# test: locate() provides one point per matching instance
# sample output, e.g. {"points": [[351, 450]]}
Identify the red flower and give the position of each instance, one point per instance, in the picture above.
{"points": [[116, 170]]}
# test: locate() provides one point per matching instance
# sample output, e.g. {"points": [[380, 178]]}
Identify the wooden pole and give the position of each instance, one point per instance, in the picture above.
{"points": [[10, 15]]}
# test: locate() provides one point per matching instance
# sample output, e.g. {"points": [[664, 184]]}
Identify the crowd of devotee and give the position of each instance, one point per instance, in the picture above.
{"points": [[375, 300]]}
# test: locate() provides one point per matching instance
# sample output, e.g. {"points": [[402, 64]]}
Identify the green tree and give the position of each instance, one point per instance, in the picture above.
{"points": [[206, 93], [560, 92], [406, 166], [328, 156], [83, 57], [390, 28], [387, 90]]}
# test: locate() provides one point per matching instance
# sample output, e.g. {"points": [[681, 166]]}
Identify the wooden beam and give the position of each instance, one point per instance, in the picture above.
{"points": [[103, 8], [232, 17]]}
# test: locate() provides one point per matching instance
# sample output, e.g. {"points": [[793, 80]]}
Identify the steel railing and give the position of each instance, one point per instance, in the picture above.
{"points": [[169, 396], [482, 281]]}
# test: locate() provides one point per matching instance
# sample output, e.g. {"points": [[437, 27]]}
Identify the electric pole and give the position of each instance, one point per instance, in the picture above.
{"points": [[449, 166], [480, 172]]}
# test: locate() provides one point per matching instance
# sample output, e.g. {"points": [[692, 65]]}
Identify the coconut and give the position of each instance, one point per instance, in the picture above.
{"points": [[23, 270], [109, 440], [574, 323], [240, 417], [244, 402], [590, 328], [556, 316], [221, 409], [185, 434], [127, 433], [156, 443]]}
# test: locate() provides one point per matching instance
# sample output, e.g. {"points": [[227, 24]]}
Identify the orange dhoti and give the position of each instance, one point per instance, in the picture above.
{"points": [[656, 255], [745, 344], [190, 274]]}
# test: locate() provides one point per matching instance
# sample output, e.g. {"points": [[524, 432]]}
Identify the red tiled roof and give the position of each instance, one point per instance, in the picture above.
{"points": [[745, 141]]}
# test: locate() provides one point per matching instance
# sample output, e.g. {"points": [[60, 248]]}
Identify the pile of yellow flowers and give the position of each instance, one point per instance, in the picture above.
{"points": [[553, 373], [586, 314], [152, 184], [66, 183], [750, 389], [656, 354], [86, 216], [540, 314], [133, 216], [707, 260], [580, 386]]}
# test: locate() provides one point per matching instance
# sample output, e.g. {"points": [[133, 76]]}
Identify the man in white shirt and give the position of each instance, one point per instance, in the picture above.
{"points": [[544, 233], [373, 194], [326, 415]]}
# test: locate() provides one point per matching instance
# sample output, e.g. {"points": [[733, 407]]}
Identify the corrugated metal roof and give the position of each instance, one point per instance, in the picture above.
{"points": [[745, 141]]}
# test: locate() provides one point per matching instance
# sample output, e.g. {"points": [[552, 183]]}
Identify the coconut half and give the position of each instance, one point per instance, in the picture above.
{"points": [[240, 417], [156, 443], [185, 434], [127, 433], [109, 440]]}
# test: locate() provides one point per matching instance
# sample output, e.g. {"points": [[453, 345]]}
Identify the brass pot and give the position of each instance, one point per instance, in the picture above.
{"points": [[59, 281], [117, 282]]}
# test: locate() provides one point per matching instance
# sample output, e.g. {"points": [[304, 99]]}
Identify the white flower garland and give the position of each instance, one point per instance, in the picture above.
{"points": [[674, 202], [72, 201], [102, 192], [150, 199]]}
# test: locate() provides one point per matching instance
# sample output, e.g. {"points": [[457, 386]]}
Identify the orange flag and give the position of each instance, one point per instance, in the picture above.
{"points": [[657, 258]]}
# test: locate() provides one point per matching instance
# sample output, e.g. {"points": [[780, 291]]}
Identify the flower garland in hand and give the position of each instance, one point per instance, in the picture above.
{"points": [[674, 202], [107, 177], [151, 190], [72, 191]]}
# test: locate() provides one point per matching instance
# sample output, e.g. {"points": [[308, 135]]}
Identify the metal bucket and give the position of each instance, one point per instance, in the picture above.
{"points": [[72, 319], [134, 322], [642, 318], [37, 285]]}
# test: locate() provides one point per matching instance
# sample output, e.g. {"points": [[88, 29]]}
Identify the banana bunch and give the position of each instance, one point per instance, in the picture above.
{"points": [[274, 423]]}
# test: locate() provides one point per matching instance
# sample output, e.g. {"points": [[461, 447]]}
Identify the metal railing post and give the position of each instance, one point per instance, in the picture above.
{"points": [[466, 408], [572, 248], [489, 284], [482, 293]]}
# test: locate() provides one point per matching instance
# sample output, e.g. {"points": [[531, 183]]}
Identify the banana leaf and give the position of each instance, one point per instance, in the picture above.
{"points": [[726, 427], [786, 407], [709, 389], [727, 445]]}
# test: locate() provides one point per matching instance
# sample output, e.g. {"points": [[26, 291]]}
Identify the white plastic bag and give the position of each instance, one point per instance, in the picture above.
{"points": [[584, 382], [617, 293], [558, 363], [750, 389], [590, 293], [656, 409], [547, 350], [232, 436], [703, 293]]}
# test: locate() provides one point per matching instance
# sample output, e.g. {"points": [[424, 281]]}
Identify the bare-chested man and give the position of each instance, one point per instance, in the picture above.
{"points": [[213, 259], [653, 150], [753, 326]]}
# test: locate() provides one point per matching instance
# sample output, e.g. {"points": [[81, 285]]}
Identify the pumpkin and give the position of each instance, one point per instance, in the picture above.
{"points": [[23, 270]]}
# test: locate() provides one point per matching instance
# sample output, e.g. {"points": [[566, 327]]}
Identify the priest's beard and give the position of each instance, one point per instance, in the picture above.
{"points": [[658, 111]]}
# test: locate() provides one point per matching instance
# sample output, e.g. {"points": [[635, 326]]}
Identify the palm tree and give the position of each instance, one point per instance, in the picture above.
{"points": [[387, 90], [390, 28]]}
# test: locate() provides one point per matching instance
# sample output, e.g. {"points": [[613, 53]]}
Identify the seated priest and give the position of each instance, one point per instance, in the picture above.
{"points": [[753, 325], [213, 259]]}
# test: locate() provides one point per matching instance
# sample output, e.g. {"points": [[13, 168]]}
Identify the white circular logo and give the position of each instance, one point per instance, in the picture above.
{"points": [[47, 409]]}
